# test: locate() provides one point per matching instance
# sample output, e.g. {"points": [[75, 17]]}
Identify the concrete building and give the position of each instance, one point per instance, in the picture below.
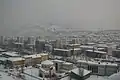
{"points": [[116, 53], [99, 68], [44, 56], [103, 45], [58, 44], [10, 54], [35, 59], [76, 52], [20, 39], [71, 46], [2, 40], [67, 66], [47, 70], [95, 54], [58, 64], [91, 44], [17, 61], [62, 66], [32, 59], [79, 74], [62, 52], [86, 47], [18, 45], [31, 40], [2, 50], [40, 45]]}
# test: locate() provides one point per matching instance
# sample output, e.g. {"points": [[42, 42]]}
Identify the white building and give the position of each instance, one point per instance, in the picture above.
{"points": [[47, 69], [100, 68]]}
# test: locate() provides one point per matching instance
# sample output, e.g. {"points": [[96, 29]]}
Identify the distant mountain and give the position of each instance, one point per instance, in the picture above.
{"points": [[48, 30], [35, 30]]}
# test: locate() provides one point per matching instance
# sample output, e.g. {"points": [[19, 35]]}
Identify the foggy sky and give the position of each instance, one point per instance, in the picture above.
{"points": [[82, 14]]}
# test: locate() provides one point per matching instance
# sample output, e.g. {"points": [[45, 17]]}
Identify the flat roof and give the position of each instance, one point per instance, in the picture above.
{"points": [[101, 52], [47, 62], [18, 43], [13, 54], [16, 59], [96, 63], [3, 58], [67, 63], [76, 49], [76, 71], [101, 48], [102, 45], [85, 46], [57, 60], [61, 49], [32, 56], [2, 49], [43, 54], [73, 44], [91, 43]]}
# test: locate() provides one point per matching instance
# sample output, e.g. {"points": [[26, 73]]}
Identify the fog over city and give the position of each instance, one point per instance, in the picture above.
{"points": [[59, 39], [17, 15]]}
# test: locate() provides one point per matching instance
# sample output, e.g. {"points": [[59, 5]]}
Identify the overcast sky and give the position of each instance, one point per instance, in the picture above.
{"points": [[82, 14]]}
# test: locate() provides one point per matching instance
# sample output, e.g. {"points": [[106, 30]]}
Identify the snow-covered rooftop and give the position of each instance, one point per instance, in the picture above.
{"points": [[85, 46], [101, 52], [95, 77], [3, 58], [47, 62], [67, 63], [16, 59], [73, 44], [102, 45], [115, 76], [57, 61], [76, 49], [97, 63], [13, 54], [2, 49], [61, 49], [32, 56], [76, 71], [91, 43], [4, 76]]}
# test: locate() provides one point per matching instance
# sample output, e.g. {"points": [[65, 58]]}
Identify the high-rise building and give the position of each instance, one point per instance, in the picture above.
{"points": [[22, 39], [18, 39], [2, 39], [31, 40], [40, 45]]}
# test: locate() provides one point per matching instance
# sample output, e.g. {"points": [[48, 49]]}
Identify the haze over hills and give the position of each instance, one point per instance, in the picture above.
{"points": [[16, 15], [44, 30], [31, 30]]}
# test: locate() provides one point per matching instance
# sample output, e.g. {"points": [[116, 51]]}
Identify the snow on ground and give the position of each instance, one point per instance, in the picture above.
{"points": [[32, 71], [67, 78], [95, 77], [35, 72], [4, 76]]}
